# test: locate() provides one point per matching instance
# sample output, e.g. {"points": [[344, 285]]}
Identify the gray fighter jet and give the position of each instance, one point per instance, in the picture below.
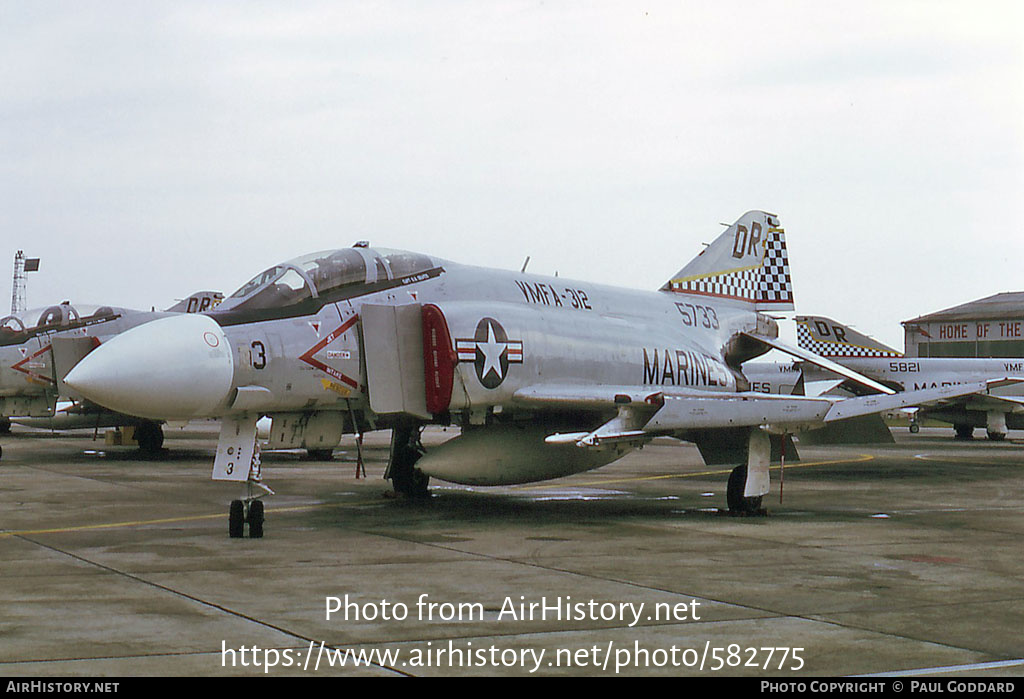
{"points": [[996, 412], [545, 376], [31, 341]]}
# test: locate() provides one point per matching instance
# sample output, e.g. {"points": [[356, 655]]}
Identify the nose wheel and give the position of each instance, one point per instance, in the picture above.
{"points": [[248, 510], [238, 459], [244, 512]]}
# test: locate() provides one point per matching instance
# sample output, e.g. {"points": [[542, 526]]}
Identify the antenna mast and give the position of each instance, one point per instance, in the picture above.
{"points": [[22, 265], [18, 293]]}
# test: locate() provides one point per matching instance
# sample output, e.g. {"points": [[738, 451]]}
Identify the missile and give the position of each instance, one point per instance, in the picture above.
{"points": [[178, 367]]}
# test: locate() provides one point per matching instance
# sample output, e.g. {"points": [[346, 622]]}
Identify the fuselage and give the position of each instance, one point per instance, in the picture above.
{"points": [[509, 330], [911, 373]]}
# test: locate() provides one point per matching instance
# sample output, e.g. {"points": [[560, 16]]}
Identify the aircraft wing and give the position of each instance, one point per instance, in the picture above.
{"points": [[812, 358], [644, 413], [682, 412], [989, 401], [866, 405]]}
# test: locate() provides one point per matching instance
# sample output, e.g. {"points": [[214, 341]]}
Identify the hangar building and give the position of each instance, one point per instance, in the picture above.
{"points": [[988, 327]]}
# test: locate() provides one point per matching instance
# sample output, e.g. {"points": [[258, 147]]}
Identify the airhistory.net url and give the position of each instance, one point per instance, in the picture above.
{"points": [[608, 658]]}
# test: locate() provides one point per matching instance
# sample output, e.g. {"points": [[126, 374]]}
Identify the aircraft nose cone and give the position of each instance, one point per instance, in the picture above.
{"points": [[172, 368]]}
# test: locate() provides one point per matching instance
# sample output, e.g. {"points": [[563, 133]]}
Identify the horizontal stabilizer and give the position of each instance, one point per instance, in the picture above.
{"points": [[820, 361]]}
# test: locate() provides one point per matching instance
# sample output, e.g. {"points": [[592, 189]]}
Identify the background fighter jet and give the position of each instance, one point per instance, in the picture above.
{"points": [[545, 376], [996, 412], [35, 343]]}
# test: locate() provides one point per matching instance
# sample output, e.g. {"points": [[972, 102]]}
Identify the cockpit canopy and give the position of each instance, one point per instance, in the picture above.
{"points": [[18, 326], [329, 274]]}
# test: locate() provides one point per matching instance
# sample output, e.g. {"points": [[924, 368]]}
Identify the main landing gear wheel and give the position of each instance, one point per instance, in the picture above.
{"points": [[5, 425], [414, 484], [997, 436], [964, 432], [738, 504], [150, 437], [320, 454], [237, 517], [914, 428], [406, 450]]}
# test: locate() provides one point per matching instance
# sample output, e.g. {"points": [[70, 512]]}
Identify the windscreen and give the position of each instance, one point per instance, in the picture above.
{"points": [[279, 286]]}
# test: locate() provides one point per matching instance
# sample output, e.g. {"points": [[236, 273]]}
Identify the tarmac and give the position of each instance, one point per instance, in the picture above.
{"points": [[873, 559]]}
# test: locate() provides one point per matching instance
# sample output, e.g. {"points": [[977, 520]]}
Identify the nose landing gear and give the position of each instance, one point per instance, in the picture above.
{"points": [[250, 508]]}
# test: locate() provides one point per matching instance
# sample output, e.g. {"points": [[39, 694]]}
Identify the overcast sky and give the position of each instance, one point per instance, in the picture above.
{"points": [[149, 149]]}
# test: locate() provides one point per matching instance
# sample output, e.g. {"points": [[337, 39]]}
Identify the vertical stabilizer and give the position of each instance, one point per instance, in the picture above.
{"points": [[748, 262], [829, 338], [198, 302]]}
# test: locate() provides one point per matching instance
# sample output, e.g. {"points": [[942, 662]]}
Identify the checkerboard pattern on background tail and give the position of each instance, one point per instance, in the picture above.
{"points": [[822, 348]]}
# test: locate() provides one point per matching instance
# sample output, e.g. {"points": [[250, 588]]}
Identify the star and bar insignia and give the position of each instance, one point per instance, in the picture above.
{"points": [[491, 352]]}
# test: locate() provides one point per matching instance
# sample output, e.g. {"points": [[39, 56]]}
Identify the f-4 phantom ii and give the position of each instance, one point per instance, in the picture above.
{"points": [[546, 377], [35, 343], [996, 412]]}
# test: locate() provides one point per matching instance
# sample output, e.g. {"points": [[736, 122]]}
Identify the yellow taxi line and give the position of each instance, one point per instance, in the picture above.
{"points": [[301, 508], [144, 522]]}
